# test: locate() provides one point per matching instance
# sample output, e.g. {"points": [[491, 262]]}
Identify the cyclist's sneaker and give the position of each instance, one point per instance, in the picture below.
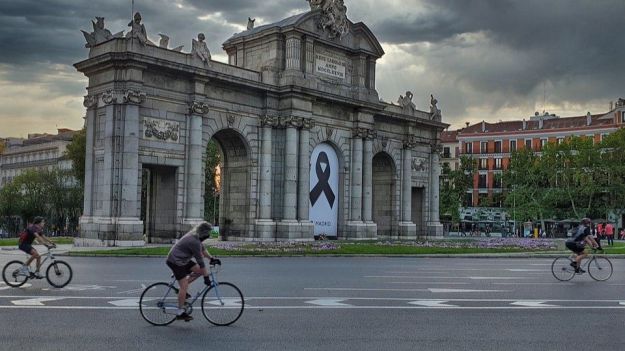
{"points": [[184, 317], [24, 270], [573, 264], [580, 271]]}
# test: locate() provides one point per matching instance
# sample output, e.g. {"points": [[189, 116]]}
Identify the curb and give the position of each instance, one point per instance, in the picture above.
{"points": [[489, 256]]}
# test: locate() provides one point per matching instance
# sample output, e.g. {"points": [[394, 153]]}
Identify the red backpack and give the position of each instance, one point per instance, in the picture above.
{"points": [[23, 235]]}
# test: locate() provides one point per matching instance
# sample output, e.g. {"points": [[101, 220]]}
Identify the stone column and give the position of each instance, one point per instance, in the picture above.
{"points": [[356, 193], [91, 103], [310, 55], [407, 229], [265, 226], [307, 227], [288, 228], [355, 226], [435, 227], [86, 220], [367, 177], [193, 211], [367, 187]]}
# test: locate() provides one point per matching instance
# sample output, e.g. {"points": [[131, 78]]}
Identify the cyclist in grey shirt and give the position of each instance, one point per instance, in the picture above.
{"points": [[180, 261]]}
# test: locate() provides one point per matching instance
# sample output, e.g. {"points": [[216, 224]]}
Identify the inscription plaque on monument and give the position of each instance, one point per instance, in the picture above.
{"points": [[329, 66]]}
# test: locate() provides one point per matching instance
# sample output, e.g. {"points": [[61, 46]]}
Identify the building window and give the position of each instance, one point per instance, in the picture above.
{"points": [[484, 147], [497, 181], [482, 181], [528, 144], [468, 200], [497, 163], [512, 145], [623, 117], [468, 148], [446, 153], [560, 140], [543, 143], [483, 163], [498, 146]]}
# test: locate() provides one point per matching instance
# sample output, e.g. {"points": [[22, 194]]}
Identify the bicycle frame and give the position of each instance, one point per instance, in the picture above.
{"points": [[48, 256], [214, 284]]}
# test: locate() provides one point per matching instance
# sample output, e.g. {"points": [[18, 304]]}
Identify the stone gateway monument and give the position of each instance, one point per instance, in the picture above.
{"points": [[308, 149]]}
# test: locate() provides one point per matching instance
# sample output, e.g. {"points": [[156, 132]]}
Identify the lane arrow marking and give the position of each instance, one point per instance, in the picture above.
{"points": [[35, 302], [532, 303], [431, 303], [125, 303], [437, 290], [328, 302]]}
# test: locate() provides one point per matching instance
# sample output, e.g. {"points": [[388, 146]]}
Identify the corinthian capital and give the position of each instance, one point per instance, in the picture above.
{"points": [[134, 97], [307, 123], [90, 101], [109, 97], [198, 108], [269, 121], [410, 142]]}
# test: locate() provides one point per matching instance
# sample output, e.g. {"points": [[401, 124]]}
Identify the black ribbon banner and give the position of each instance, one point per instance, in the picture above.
{"points": [[322, 183]]}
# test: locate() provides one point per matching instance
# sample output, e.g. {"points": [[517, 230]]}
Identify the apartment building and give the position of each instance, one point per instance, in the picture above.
{"points": [[491, 144], [38, 151]]}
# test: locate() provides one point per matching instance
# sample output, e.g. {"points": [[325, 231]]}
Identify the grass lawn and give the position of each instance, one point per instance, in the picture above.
{"points": [[61, 240]]}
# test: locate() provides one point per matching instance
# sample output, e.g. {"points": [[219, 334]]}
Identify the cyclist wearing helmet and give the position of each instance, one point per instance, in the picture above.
{"points": [[578, 242], [181, 263]]}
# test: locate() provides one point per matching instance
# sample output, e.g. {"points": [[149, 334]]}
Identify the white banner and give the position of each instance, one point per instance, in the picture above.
{"points": [[324, 190]]}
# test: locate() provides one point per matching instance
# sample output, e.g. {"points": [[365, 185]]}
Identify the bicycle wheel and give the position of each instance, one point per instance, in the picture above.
{"points": [[600, 268], [59, 274], [562, 270], [12, 274], [158, 304], [223, 304]]}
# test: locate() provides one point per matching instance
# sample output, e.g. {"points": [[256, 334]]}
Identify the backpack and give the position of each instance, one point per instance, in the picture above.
{"points": [[23, 236]]}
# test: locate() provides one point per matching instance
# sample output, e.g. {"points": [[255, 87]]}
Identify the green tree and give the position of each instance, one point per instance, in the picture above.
{"points": [[454, 185], [52, 194], [76, 151], [211, 188]]}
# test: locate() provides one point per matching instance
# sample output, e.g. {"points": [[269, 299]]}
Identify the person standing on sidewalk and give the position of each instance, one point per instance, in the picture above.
{"points": [[609, 233]]}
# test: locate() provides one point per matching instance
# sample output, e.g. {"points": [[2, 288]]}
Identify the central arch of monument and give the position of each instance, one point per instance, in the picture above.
{"points": [[296, 114]]}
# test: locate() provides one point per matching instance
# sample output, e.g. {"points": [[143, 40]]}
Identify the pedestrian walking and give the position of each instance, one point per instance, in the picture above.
{"points": [[622, 234]]}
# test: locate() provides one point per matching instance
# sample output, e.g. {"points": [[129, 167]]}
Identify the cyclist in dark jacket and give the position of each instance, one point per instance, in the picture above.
{"points": [[578, 242], [32, 232]]}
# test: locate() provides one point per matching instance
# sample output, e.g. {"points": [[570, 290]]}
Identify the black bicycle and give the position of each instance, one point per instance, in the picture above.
{"points": [[222, 303], [58, 274], [598, 267]]}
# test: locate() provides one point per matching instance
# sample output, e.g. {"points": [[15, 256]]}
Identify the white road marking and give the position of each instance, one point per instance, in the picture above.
{"points": [[328, 302], [435, 290], [524, 270], [408, 277], [497, 278], [232, 302], [531, 283], [431, 303], [3, 286], [425, 283], [364, 289], [532, 303], [132, 291], [79, 287], [35, 302], [125, 303]]}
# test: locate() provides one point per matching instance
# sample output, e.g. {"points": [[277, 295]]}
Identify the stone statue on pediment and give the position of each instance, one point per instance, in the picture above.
{"points": [[333, 17], [408, 107], [138, 31], [200, 49], [250, 23], [434, 110], [99, 34]]}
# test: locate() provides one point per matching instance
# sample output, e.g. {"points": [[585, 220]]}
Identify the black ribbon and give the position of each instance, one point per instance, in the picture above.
{"points": [[322, 184]]}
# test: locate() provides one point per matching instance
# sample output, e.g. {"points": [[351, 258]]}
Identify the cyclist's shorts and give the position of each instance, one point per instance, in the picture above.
{"points": [[181, 271], [26, 247], [575, 247]]}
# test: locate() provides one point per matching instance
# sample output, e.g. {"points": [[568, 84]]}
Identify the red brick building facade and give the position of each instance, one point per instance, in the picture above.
{"points": [[491, 144]]}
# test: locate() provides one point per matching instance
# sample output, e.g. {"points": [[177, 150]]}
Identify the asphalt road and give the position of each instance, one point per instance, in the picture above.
{"points": [[316, 303]]}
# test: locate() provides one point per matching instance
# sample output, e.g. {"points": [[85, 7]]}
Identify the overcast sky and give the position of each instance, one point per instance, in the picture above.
{"points": [[483, 59]]}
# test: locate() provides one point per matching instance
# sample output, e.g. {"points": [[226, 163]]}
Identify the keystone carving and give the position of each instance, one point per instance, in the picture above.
{"points": [[161, 130]]}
